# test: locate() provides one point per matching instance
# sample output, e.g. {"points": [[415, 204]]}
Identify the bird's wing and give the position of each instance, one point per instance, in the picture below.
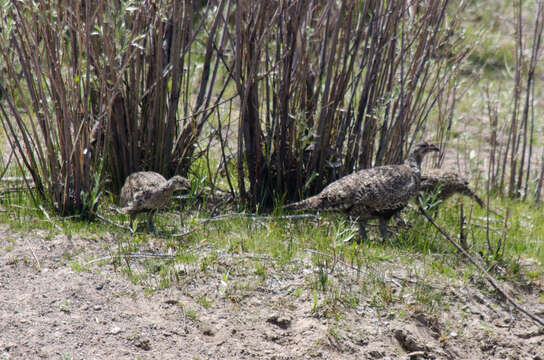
{"points": [[137, 182], [140, 200], [381, 188]]}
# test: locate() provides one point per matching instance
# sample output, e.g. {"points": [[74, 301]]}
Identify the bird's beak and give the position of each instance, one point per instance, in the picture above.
{"points": [[433, 147]]}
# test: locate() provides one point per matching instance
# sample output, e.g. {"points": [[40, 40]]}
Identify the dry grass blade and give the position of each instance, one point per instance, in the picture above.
{"points": [[44, 212]]}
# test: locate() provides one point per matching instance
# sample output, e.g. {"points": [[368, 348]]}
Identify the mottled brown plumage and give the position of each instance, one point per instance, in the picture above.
{"points": [[378, 192], [147, 191], [448, 183]]}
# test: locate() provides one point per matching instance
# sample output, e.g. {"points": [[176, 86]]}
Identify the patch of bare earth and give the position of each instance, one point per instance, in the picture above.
{"points": [[48, 310]]}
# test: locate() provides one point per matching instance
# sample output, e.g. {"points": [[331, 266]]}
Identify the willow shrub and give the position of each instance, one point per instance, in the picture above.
{"points": [[99, 89], [330, 87]]}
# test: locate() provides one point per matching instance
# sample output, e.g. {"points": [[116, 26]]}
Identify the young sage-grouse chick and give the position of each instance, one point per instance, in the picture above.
{"points": [[449, 183], [147, 191], [379, 192]]}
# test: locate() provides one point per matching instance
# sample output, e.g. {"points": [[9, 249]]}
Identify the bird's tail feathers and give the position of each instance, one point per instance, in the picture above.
{"points": [[468, 192], [311, 203], [478, 200]]}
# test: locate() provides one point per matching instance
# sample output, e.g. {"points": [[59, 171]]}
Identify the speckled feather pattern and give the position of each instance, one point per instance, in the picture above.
{"points": [[146, 190], [140, 181], [378, 192], [367, 192]]}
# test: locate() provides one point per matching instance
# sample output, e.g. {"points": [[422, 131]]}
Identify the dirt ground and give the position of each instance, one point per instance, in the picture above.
{"points": [[50, 311]]}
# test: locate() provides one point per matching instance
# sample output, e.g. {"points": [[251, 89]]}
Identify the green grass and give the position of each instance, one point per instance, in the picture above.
{"points": [[489, 27], [245, 253]]}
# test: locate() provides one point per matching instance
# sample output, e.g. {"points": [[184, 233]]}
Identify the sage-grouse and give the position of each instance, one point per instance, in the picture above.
{"points": [[378, 192], [447, 183], [147, 191]]}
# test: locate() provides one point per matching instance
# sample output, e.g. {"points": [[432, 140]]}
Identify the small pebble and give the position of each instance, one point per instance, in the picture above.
{"points": [[115, 330]]}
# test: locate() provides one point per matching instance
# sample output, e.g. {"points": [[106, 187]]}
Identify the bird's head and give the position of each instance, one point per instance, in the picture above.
{"points": [[179, 183], [419, 152]]}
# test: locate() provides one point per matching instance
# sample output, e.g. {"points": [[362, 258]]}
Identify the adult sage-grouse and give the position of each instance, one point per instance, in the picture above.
{"points": [[147, 191], [379, 192], [447, 183]]}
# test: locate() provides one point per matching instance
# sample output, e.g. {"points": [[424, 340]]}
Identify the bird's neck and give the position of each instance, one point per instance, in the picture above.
{"points": [[414, 161], [169, 186]]}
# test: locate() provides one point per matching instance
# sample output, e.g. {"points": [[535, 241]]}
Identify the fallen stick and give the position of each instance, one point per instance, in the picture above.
{"points": [[183, 234], [16, 179], [108, 221], [12, 189], [490, 278], [254, 217], [132, 256]]}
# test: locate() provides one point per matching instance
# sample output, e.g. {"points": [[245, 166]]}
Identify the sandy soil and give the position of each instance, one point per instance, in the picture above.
{"points": [[50, 311]]}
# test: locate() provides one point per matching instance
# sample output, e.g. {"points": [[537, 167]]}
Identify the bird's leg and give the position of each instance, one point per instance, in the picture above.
{"points": [[150, 224], [384, 231], [181, 208], [132, 216], [362, 231], [400, 221]]}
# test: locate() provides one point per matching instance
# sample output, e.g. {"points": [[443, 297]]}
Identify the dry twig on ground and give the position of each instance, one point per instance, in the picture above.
{"points": [[490, 278]]}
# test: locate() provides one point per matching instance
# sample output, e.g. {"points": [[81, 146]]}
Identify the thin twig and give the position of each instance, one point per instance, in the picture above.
{"points": [[133, 256], [6, 167], [148, 255], [14, 189], [255, 217], [490, 278], [98, 260], [131, 230], [290, 217], [16, 179], [117, 210], [113, 223], [208, 108], [22, 207], [183, 234]]}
